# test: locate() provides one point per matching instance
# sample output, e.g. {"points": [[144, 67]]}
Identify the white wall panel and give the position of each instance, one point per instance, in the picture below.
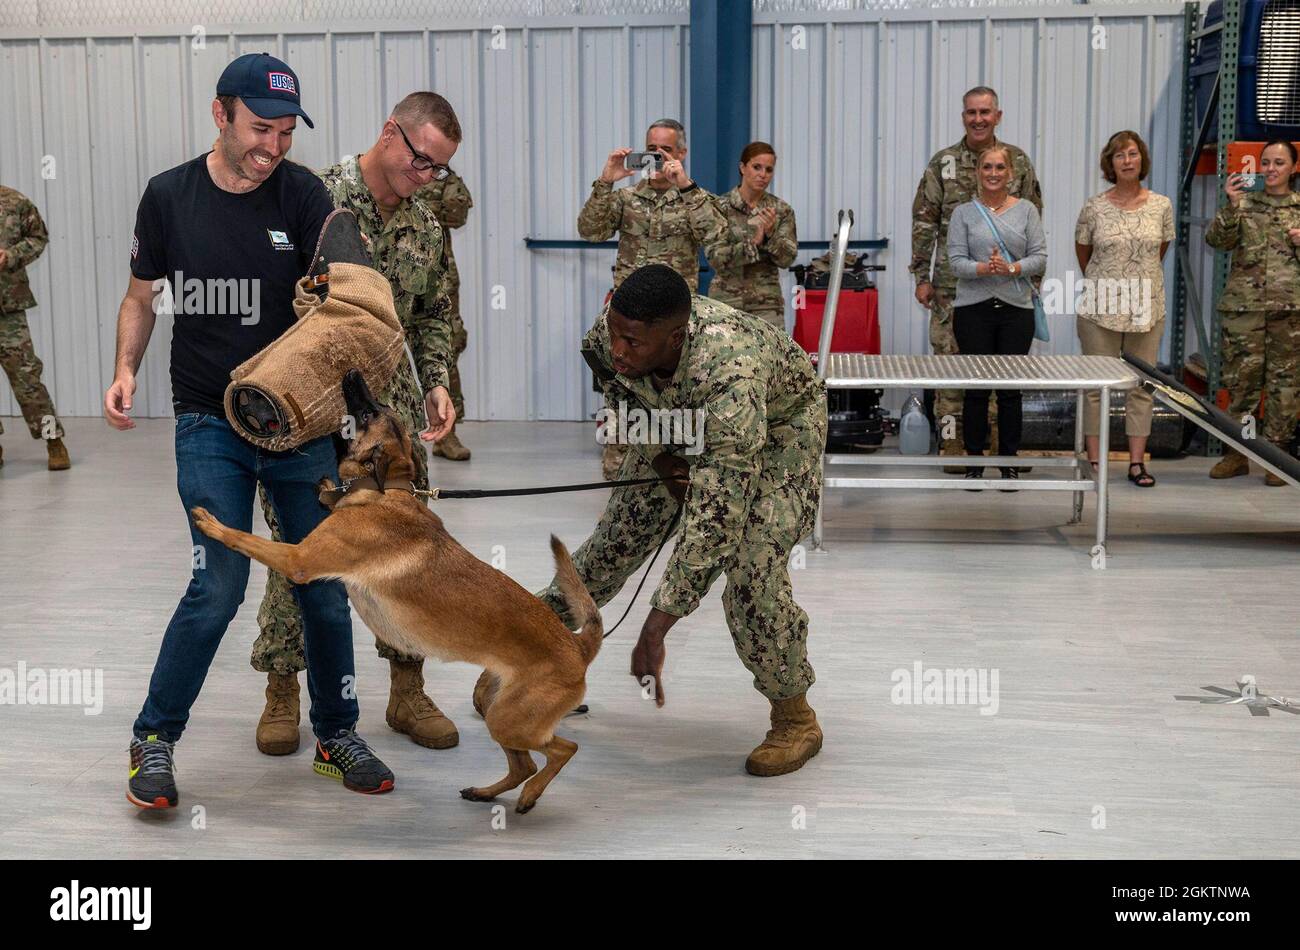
{"points": [[404, 66], [74, 364], [355, 92], [905, 68], [1061, 99], [113, 148], [258, 43], [504, 357], [854, 111], [168, 126], [555, 277], [456, 62], [312, 60]]}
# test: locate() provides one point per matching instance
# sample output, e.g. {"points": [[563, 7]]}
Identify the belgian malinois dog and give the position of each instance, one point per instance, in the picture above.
{"points": [[420, 592]]}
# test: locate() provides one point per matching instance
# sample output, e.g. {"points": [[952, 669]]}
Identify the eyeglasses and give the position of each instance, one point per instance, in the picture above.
{"points": [[423, 163]]}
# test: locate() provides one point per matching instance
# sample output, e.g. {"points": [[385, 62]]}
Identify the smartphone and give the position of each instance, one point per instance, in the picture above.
{"points": [[635, 161], [1251, 181]]}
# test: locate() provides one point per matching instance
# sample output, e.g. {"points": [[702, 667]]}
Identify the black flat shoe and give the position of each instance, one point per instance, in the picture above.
{"points": [[1143, 478], [973, 473], [1010, 474]]}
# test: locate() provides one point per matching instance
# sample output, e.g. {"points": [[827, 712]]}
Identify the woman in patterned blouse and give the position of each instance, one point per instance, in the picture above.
{"points": [[1120, 240]]}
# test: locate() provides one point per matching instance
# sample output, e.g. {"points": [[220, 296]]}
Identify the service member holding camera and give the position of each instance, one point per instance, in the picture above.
{"points": [[664, 219]]}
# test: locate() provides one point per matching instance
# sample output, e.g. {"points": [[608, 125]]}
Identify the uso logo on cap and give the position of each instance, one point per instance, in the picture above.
{"points": [[282, 82]]}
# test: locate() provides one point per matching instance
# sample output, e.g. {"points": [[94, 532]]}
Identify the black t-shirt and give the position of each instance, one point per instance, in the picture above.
{"points": [[211, 245]]}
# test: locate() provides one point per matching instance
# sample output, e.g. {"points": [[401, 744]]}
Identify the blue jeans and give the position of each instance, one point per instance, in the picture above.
{"points": [[218, 470]]}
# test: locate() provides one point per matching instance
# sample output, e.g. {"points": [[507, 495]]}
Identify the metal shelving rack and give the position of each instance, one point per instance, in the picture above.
{"points": [[1192, 139]]}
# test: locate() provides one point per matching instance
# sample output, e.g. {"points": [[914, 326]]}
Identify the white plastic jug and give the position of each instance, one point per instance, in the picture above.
{"points": [[913, 428]]}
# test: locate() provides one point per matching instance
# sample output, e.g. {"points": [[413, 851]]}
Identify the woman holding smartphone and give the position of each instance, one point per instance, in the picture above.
{"points": [[993, 311], [1260, 306], [767, 222]]}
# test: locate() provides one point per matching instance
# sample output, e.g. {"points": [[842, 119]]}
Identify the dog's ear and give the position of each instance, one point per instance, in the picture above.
{"points": [[379, 462]]}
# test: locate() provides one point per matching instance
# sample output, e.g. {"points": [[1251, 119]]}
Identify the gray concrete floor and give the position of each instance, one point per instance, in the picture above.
{"points": [[1090, 753]]}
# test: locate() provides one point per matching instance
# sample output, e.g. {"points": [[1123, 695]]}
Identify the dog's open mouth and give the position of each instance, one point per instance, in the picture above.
{"points": [[361, 402], [365, 411]]}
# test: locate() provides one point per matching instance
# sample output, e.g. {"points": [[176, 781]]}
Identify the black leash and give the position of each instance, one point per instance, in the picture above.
{"points": [[331, 495], [441, 493], [587, 486], [644, 577], [637, 593]]}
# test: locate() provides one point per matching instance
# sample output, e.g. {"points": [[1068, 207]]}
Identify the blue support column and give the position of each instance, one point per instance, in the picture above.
{"points": [[721, 57]]}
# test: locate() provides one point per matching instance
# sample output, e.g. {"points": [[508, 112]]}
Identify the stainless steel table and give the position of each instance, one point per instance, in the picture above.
{"points": [[1080, 373]]}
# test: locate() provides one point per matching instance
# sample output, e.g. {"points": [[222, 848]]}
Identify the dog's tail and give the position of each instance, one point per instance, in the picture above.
{"points": [[581, 606]]}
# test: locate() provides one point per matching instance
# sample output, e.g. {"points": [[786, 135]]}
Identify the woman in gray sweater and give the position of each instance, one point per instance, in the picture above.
{"points": [[993, 311]]}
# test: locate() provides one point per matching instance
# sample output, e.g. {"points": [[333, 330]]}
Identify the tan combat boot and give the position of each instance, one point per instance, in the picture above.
{"points": [[412, 712], [1231, 465], [451, 447], [58, 453], [277, 730], [795, 737]]}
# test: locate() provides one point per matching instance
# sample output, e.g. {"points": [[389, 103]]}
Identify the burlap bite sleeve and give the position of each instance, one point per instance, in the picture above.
{"points": [[300, 375]]}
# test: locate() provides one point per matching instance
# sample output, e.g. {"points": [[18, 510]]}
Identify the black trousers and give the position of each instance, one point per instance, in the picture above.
{"points": [[992, 327]]}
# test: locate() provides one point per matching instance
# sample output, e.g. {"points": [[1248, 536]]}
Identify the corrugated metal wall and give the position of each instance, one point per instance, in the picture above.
{"points": [[872, 96], [78, 14], [854, 109]]}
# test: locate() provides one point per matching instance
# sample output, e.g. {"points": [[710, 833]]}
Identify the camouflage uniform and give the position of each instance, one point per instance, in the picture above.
{"points": [[409, 249], [450, 201], [756, 288], [949, 180], [659, 227], [662, 227], [753, 492], [23, 236], [1260, 309]]}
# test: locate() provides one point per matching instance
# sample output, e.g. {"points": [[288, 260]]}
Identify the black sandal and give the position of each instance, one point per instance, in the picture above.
{"points": [[1143, 479]]}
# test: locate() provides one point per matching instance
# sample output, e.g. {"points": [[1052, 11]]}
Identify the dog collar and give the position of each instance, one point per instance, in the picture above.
{"points": [[329, 497]]}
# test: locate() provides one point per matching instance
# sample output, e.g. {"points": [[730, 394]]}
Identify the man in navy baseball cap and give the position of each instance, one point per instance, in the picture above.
{"points": [[242, 223], [267, 85], [256, 111]]}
